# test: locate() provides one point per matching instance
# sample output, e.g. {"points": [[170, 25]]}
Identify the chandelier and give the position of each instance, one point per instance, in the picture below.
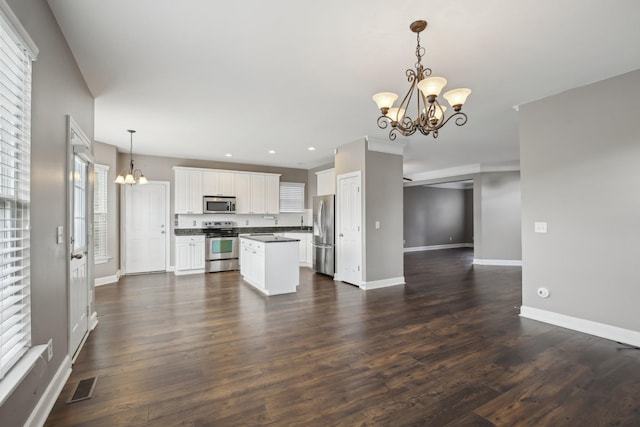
{"points": [[430, 116], [130, 177]]}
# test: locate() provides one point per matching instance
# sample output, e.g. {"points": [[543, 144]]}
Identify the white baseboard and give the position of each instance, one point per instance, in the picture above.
{"points": [[437, 247], [185, 272], [171, 269], [590, 327], [506, 262], [48, 399], [376, 284], [93, 321], [99, 281]]}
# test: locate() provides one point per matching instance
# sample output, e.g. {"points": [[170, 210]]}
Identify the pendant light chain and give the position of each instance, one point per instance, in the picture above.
{"points": [[130, 177]]}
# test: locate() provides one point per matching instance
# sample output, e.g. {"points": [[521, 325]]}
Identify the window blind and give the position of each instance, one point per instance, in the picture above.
{"points": [[291, 197], [100, 208], [15, 146]]}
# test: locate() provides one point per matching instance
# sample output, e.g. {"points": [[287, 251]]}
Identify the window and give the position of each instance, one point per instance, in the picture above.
{"points": [[291, 197], [17, 52], [100, 189]]}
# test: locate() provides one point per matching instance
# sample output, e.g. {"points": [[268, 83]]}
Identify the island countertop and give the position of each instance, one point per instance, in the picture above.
{"points": [[269, 238]]}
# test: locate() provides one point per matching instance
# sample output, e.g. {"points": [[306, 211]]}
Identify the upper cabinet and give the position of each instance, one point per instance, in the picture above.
{"points": [[326, 182], [272, 193], [243, 193], [188, 191], [219, 183], [257, 193]]}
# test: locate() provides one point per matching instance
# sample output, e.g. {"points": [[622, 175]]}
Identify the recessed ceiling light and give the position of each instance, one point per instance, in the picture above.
{"points": [[228, 155], [311, 148], [272, 151]]}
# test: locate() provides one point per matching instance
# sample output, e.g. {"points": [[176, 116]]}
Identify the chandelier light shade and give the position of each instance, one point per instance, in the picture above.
{"points": [[129, 177], [430, 114]]}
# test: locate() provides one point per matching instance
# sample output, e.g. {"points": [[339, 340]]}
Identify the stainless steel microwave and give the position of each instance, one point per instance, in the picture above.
{"points": [[216, 204]]}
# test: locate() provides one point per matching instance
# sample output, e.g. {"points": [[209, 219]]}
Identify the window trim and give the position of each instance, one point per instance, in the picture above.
{"points": [[20, 368], [100, 258]]}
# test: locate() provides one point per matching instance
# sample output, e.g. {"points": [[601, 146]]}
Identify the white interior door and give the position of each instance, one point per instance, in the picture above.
{"points": [[80, 224], [349, 223], [146, 227]]}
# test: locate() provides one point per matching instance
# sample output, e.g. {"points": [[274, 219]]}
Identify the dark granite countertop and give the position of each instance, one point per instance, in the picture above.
{"points": [[245, 230], [269, 238]]}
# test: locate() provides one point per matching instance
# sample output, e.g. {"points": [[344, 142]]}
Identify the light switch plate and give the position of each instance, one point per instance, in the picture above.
{"points": [[540, 227], [377, 225], [59, 236]]}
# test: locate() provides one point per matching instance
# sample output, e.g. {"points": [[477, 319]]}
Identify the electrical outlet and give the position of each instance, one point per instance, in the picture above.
{"points": [[50, 350]]}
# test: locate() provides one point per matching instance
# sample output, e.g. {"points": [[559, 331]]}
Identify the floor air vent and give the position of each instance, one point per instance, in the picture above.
{"points": [[83, 390]]}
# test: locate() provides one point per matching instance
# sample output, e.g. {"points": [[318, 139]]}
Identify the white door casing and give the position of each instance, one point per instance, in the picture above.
{"points": [[80, 225], [349, 229], [146, 227]]}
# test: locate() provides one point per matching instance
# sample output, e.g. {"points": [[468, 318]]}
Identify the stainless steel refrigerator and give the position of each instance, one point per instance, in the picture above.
{"points": [[324, 234]]}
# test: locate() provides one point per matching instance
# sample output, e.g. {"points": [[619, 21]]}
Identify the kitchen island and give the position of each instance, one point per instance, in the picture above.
{"points": [[270, 263]]}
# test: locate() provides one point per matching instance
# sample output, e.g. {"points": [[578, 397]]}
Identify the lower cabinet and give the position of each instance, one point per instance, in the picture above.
{"points": [[271, 268], [189, 254], [252, 262], [304, 248]]}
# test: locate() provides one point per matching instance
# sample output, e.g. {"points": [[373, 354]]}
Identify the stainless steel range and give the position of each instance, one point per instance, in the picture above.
{"points": [[221, 246]]}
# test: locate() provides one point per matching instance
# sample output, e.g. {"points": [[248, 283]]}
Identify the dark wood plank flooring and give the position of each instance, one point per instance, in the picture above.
{"points": [[446, 349]]}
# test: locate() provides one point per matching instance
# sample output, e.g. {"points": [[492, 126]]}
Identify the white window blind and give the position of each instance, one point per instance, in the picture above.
{"points": [[291, 197], [15, 146], [100, 208]]}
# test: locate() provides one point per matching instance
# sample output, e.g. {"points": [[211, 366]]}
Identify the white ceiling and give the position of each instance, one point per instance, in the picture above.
{"points": [[201, 78]]}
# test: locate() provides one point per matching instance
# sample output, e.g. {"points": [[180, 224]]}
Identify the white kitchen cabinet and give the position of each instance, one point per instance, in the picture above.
{"points": [[243, 193], [269, 266], [304, 247], [257, 193], [189, 254], [252, 262], [187, 191], [272, 194], [326, 182], [219, 183]]}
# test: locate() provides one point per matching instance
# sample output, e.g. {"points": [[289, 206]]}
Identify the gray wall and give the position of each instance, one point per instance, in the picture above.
{"points": [[496, 213], [58, 90], [468, 216], [381, 175], [383, 199], [497, 216], [580, 174], [434, 215]]}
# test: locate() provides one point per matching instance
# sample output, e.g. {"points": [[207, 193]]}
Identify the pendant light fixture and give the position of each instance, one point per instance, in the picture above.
{"points": [[130, 176], [430, 115]]}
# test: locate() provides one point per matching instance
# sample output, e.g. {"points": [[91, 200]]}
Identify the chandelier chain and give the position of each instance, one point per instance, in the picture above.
{"points": [[420, 51]]}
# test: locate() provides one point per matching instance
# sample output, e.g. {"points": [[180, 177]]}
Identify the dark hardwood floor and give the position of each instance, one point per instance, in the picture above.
{"points": [[446, 349]]}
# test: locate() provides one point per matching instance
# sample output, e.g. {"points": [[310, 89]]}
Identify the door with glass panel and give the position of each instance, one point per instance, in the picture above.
{"points": [[79, 230]]}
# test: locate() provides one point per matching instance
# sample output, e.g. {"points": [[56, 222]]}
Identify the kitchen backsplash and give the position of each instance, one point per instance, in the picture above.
{"points": [[240, 220]]}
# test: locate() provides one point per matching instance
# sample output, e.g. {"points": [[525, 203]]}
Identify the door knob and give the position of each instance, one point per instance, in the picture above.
{"points": [[76, 256]]}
